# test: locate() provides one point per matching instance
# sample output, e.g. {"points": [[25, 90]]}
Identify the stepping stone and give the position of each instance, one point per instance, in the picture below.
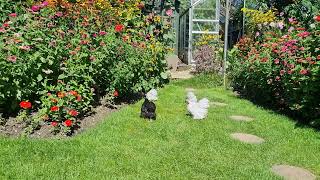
{"points": [[247, 138], [292, 173], [218, 104], [190, 90], [241, 118], [236, 93], [181, 74], [172, 62]]}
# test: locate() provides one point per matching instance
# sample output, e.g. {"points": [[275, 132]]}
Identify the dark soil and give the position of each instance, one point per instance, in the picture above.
{"points": [[12, 128]]}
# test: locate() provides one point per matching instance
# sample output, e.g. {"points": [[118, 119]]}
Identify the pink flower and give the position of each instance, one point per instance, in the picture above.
{"points": [[285, 63], [13, 15], [73, 52], [2, 30], [59, 14], [291, 19], [303, 71], [290, 71], [291, 66], [282, 72], [169, 12], [92, 58], [304, 34], [12, 58], [44, 4], [25, 48], [94, 35], [35, 8], [102, 33], [278, 78], [280, 25], [276, 61], [291, 29]]}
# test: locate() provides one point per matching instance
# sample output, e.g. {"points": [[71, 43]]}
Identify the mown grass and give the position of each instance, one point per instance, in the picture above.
{"points": [[172, 147]]}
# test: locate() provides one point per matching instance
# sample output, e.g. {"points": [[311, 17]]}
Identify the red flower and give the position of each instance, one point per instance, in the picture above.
{"points": [[74, 93], [301, 29], [119, 27], [54, 108], [68, 123], [84, 42], [25, 104], [317, 18], [278, 78], [79, 98], [6, 25], [115, 93], [73, 112], [303, 71], [54, 123], [13, 15]]}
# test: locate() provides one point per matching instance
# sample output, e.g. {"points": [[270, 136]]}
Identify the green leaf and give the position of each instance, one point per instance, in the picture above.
{"points": [[39, 78]]}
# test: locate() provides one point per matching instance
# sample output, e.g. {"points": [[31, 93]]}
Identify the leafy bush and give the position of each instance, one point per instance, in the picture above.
{"points": [[60, 55], [280, 67]]}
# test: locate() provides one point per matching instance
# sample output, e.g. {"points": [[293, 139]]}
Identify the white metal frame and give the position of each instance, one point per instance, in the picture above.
{"points": [[191, 23]]}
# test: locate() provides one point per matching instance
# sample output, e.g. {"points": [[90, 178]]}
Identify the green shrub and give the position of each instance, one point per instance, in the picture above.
{"points": [[281, 68], [61, 59]]}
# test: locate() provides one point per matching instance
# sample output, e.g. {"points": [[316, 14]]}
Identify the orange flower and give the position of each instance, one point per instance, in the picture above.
{"points": [[61, 94], [73, 112]]}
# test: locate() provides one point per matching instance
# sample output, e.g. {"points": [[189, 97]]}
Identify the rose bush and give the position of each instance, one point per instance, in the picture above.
{"points": [[280, 66], [61, 56]]}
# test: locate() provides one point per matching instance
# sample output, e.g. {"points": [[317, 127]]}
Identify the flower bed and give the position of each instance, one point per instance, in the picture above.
{"points": [[280, 66], [57, 58]]}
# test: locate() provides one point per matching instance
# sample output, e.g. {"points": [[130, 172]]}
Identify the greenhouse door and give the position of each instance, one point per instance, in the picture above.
{"points": [[201, 18]]}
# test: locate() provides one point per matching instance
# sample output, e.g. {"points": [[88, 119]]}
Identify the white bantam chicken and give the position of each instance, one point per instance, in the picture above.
{"points": [[198, 110]]}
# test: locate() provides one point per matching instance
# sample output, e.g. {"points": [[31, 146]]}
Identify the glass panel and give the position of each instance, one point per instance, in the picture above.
{"points": [[205, 9], [206, 26]]}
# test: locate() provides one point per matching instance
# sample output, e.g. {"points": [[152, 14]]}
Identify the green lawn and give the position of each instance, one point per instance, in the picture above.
{"points": [[173, 147]]}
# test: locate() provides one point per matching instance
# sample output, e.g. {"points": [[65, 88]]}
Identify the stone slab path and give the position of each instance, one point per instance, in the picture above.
{"points": [[181, 74], [241, 118], [218, 103], [247, 138], [292, 172]]}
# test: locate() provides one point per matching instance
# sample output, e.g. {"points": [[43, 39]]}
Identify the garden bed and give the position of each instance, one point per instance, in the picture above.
{"points": [[13, 128]]}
